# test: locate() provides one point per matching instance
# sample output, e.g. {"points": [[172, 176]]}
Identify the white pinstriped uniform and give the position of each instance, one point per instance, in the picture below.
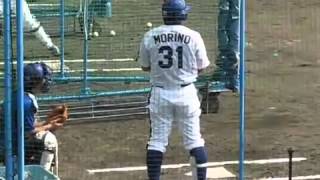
{"points": [[30, 22], [174, 53]]}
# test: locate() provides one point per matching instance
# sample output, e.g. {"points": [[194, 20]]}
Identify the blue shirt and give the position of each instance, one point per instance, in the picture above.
{"points": [[30, 110]]}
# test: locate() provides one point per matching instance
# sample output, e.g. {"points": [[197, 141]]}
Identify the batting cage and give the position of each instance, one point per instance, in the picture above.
{"points": [[90, 118], [100, 42]]}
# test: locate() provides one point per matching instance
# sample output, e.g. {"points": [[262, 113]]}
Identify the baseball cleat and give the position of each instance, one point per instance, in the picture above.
{"points": [[55, 51]]}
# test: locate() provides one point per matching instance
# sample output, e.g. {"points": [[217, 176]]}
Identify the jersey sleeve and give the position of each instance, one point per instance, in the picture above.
{"points": [[201, 54], [29, 114], [144, 56]]}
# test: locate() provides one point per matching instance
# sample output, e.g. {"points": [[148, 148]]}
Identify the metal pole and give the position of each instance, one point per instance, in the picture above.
{"points": [[20, 90], [109, 8], [8, 89], [290, 152], [85, 89], [242, 139], [62, 38]]}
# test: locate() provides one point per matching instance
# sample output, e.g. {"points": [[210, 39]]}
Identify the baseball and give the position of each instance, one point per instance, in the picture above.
{"points": [[112, 33], [95, 34], [149, 24]]}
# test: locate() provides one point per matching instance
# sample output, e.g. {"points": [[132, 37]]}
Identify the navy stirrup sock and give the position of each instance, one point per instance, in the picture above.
{"points": [[201, 158], [154, 161]]}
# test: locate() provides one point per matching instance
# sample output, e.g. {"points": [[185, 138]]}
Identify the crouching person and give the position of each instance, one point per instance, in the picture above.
{"points": [[39, 136]]}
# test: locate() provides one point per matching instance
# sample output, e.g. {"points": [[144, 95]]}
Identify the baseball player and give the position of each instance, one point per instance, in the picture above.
{"points": [[37, 79], [174, 55], [31, 24], [228, 42]]}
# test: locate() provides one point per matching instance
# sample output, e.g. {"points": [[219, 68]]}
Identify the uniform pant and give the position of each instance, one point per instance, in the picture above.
{"points": [[180, 104], [41, 149], [228, 25], [30, 23], [228, 43]]}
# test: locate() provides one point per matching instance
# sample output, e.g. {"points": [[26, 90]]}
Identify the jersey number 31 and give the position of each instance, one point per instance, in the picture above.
{"points": [[167, 52]]}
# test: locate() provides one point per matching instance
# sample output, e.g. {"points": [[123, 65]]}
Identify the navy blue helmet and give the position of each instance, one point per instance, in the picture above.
{"points": [[175, 9], [35, 73]]}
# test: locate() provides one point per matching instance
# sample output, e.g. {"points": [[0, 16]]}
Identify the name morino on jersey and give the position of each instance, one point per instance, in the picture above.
{"points": [[171, 37]]}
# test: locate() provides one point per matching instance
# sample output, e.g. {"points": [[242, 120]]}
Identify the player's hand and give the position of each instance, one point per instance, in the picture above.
{"points": [[57, 119], [55, 126]]}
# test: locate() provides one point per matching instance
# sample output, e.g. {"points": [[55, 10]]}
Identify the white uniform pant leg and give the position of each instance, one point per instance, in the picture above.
{"points": [[1, 8], [50, 145], [161, 112], [188, 116], [31, 24]]}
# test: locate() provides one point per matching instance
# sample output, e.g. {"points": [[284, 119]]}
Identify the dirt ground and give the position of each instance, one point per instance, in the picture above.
{"points": [[282, 108]]}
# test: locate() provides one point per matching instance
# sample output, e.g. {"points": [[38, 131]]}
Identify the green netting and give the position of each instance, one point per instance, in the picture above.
{"points": [[113, 42], [52, 10]]}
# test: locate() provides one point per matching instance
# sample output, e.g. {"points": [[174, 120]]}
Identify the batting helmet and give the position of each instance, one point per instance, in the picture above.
{"points": [[175, 10], [35, 73]]}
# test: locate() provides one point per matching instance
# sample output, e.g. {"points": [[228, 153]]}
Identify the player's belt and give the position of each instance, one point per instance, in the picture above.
{"points": [[181, 85], [184, 85]]}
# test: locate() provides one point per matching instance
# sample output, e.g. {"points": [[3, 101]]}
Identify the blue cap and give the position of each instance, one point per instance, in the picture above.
{"points": [[176, 7]]}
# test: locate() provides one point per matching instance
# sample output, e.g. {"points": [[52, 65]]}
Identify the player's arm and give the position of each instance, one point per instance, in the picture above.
{"points": [[144, 56], [45, 127], [48, 127], [40, 123], [31, 125], [201, 55], [41, 126]]}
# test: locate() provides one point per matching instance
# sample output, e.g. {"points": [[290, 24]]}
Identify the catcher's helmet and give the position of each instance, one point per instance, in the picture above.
{"points": [[175, 9], [35, 73]]}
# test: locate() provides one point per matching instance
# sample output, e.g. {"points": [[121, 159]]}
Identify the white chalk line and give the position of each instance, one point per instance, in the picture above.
{"points": [[97, 70], [55, 61], [102, 70], [293, 178], [175, 166], [37, 5], [77, 60]]}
